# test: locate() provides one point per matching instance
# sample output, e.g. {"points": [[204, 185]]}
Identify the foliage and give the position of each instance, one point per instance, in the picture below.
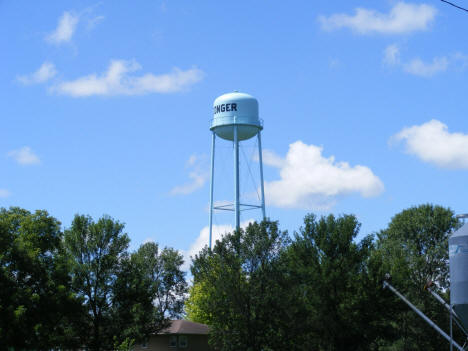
{"points": [[127, 296], [37, 306], [414, 250], [126, 345], [149, 291], [243, 289], [96, 249], [323, 290], [336, 292], [414, 246], [257, 288], [197, 305]]}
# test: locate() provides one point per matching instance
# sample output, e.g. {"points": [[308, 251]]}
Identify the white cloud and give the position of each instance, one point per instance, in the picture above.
{"points": [[94, 21], [392, 55], [198, 174], [271, 159], [402, 18], [418, 67], [4, 193], [433, 143], [43, 74], [117, 81], [311, 181], [65, 29], [204, 237], [423, 69], [24, 156]]}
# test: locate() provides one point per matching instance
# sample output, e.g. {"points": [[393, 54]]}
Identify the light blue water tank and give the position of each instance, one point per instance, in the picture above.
{"points": [[235, 109], [458, 256]]}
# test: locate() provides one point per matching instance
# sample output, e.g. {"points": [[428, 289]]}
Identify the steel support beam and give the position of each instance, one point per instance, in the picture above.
{"points": [[260, 160], [449, 308], [213, 141], [236, 177], [423, 316]]}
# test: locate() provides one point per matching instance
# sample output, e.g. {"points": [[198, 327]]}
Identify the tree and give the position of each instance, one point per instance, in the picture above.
{"points": [[37, 305], [197, 306], [415, 245], [150, 290], [414, 250], [241, 289], [338, 296], [96, 250]]}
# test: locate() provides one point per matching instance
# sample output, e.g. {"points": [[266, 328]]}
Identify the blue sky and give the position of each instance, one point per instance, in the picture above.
{"points": [[105, 109]]}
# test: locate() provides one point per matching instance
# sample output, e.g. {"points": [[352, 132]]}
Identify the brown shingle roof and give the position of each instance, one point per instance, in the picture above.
{"points": [[182, 326]]}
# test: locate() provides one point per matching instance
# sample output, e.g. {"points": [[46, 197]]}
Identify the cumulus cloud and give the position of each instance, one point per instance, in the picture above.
{"points": [[402, 18], [117, 80], [433, 143], [65, 29], [204, 238], [43, 74], [271, 159], [24, 156], [417, 66], [198, 176], [425, 69], [4, 193], [308, 180]]}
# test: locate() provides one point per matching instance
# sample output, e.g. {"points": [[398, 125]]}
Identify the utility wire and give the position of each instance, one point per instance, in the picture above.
{"points": [[458, 7]]}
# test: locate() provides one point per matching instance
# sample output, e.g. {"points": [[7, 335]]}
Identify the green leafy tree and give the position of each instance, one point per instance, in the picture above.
{"points": [[241, 290], [96, 250], [149, 291], [126, 345], [414, 250], [197, 307], [337, 296], [415, 245], [37, 306]]}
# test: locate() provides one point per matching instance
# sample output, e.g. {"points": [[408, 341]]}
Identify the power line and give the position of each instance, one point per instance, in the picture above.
{"points": [[458, 7]]}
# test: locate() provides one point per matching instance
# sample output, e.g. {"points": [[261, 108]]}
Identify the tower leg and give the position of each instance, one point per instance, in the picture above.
{"points": [[260, 159], [212, 184], [236, 177]]}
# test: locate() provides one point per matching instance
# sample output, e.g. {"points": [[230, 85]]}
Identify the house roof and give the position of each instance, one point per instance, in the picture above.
{"points": [[182, 326]]}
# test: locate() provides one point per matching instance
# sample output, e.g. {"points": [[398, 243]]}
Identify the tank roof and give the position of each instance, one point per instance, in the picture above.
{"points": [[234, 95], [463, 231]]}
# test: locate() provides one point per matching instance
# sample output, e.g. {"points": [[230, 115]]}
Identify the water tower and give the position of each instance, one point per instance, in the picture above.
{"points": [[235, 119]]}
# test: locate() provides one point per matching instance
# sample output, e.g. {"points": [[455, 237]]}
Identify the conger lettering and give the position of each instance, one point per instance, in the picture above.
{"points": [[225, 108]]}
